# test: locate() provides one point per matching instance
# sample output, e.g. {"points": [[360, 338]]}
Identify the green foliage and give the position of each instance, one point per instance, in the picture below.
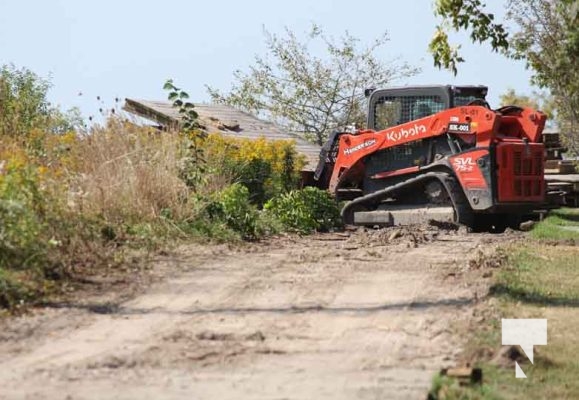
{"points": [[266, 168], [192, 161], [545, 35], [186, 109], [468, 15], [261, 177], [71, 204], [40, 240], [444, 54], [21, 210], [511, 98], [255, 175], [312, 94], [547, 38], [305, 211], [62, 122], [31, 237], [235, 210], [16, 288], [24, 106]]}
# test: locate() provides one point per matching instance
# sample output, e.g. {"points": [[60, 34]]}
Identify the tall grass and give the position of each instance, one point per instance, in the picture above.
{"points": [[70, 203], [125, 172], [72, 200]]}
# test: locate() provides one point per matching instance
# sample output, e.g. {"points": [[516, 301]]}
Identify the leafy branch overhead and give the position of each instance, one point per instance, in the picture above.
{"points": [[312, 94], [468, 15], [543, 33]]}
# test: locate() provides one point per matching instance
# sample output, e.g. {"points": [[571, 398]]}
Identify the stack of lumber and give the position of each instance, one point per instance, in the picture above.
{"points": [[561, 175], [567, 187], [553, 146], [559, 167]]}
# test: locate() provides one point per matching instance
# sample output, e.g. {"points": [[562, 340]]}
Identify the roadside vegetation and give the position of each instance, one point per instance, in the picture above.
{"points": [[75, 200], [538, 279]]}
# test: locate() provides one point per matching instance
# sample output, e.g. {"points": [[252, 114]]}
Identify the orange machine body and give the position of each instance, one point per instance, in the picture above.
{"points": [[511, 144]]}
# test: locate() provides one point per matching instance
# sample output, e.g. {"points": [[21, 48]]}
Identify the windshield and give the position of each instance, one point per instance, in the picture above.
{"points": [[395, 110]]}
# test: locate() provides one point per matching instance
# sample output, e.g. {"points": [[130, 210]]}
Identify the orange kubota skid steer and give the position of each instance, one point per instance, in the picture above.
{"points": [[437, 153]]}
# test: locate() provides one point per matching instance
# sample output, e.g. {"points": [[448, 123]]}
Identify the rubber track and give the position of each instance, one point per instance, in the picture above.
{"points": [[463, 212]]}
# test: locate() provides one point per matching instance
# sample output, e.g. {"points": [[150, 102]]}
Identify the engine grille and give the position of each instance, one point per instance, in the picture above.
{"points": [[520, 173]]}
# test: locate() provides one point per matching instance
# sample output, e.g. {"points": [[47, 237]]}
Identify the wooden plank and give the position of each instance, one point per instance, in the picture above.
{"points": [[562, 178], [465, 375]]}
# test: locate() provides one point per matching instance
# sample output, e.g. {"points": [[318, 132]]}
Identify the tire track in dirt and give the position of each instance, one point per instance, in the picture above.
{"points": [[340, 316]]}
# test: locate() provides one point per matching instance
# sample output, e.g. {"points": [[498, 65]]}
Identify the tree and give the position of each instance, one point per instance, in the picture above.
{"points": [[511, 98], [538, 101], [545, 35], [24, 105], [308, 94]]}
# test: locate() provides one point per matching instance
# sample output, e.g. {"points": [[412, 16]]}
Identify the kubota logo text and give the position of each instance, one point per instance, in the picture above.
{"points": [[395, 136]]}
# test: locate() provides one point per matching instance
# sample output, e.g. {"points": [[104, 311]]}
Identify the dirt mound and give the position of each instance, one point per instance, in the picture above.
{"points": [[411, 235], [486, 258]]}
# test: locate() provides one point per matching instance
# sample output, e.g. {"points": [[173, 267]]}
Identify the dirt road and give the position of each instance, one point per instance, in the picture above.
{"points": [[361, 315]]}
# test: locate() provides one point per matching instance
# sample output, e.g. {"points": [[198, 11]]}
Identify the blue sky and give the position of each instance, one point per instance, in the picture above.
{"points": [[129, 48]]}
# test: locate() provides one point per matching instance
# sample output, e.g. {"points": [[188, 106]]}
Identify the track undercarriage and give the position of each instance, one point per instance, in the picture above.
{"points": [[434, 198]]}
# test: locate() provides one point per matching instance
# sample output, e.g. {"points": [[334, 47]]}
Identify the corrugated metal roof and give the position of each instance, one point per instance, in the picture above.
{"points": [[227, 121]]}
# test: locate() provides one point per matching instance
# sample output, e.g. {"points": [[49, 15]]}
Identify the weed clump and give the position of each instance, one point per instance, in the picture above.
{"points": [[305, 211]]}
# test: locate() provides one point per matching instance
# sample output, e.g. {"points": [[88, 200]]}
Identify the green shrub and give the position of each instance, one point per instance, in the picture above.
{"points": [[266, 178], [255, 176], [21, 212], [233, 207], [24, 105], [41, 240], [16, 288], [27, 245], [267, 168], [305, 210]]}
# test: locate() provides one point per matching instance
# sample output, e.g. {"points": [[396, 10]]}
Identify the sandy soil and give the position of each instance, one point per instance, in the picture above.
{"points": [[354, 315]]}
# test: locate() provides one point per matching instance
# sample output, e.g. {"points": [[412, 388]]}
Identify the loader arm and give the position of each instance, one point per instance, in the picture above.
{"points": [[473, 124]]}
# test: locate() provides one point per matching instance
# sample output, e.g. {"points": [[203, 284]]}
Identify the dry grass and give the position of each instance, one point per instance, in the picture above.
{"points": [[127, 171]]}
